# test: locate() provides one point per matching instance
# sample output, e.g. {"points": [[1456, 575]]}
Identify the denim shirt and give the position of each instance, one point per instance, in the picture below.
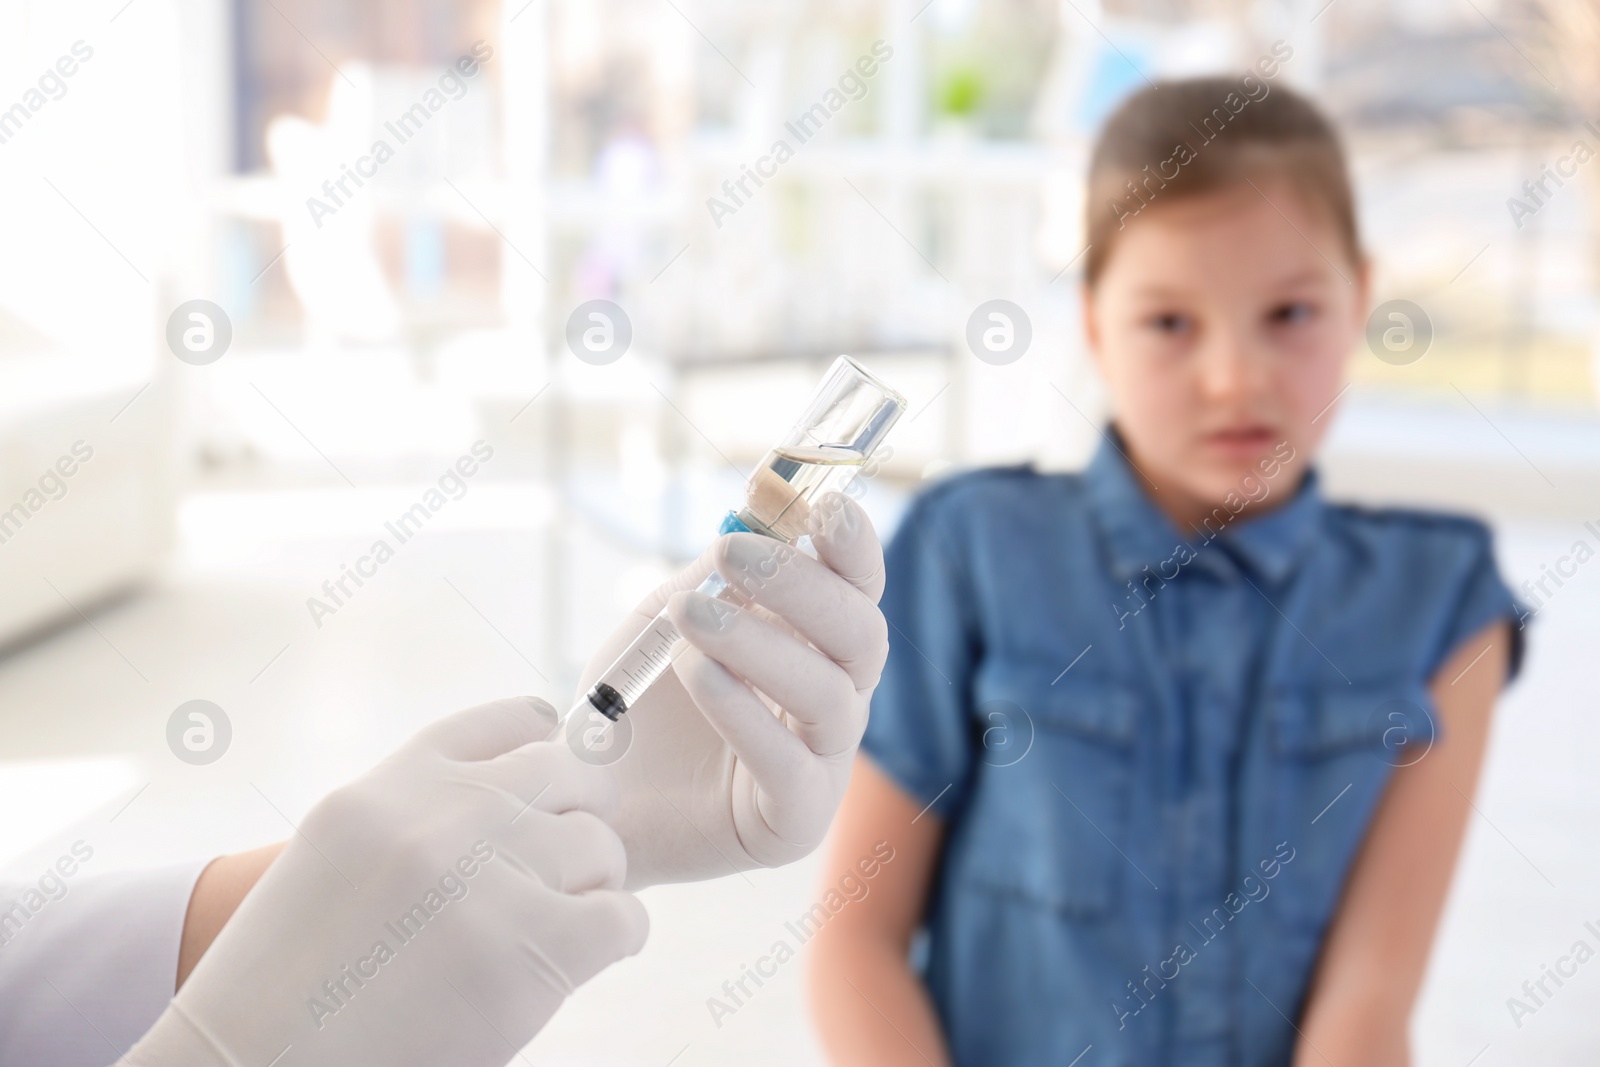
{"points": [[1155, 754]]}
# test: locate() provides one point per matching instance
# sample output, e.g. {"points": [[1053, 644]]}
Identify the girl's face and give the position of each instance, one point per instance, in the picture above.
{"points": [[1221, 323]]}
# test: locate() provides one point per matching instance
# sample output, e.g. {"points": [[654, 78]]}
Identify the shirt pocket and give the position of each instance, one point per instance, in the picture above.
{"points": [[1050, 825], [1334, 748]]}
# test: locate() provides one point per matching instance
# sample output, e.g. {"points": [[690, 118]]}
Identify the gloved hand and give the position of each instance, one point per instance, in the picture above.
{"points": [[436, 910], [715, 779]]}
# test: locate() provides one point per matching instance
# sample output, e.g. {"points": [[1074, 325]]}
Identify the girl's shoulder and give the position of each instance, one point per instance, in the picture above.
{"points": [[1000, 493], [1014, 512], [1403, 534], [1435, 571]]}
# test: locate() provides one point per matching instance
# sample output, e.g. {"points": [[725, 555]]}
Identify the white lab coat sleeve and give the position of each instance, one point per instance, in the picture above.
{"points": [[87, 964]]}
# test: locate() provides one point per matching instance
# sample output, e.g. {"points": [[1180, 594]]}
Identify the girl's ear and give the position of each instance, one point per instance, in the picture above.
{"points": [[1363, 306], [1091, 327]]}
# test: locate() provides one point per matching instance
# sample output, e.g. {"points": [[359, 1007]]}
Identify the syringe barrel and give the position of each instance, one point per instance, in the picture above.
{"points": [[646, 659]]}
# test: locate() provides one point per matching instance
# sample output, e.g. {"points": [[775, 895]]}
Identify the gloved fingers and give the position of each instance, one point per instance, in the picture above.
{"points": [[547, 776], [571, 853], [487, 730], [620, 914], [827, 610], [773, 619], [590, 931], [845, 540], [769, 749], [818, 695]]}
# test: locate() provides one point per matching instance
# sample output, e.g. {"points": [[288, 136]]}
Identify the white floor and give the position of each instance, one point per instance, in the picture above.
{"points": [[448, 623]]}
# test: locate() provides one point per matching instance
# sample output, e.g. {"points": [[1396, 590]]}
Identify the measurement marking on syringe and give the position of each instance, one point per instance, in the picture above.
{"points": [[649, 662]]}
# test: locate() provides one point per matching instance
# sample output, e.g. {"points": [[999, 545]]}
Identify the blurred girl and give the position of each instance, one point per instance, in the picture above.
{"points": [[1174, 755]]}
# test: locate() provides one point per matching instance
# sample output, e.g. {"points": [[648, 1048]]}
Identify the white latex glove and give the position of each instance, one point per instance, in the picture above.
{"points": [[435, 911], [713, 779]]}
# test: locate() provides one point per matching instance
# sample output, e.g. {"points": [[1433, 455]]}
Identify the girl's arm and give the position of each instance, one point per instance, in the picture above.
{"points": [[869, 1006], [216, 896], [1377, 947]]}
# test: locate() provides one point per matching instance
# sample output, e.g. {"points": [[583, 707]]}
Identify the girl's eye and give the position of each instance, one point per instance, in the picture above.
{"points": [[1294, 313], [1170, 322]]}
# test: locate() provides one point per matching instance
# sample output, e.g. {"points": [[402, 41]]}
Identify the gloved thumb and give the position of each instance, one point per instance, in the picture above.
{"points": [[489, 730], [845, 541]]}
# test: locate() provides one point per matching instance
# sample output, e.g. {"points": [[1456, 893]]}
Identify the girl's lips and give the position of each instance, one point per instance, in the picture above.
{"points": [[1243, 441]]}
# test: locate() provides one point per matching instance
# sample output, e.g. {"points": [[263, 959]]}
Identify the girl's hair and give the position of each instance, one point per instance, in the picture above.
{"points": [[1183, 138]]}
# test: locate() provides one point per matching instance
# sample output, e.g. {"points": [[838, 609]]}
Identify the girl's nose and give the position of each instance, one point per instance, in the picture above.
{"points": [[1231, 368]]}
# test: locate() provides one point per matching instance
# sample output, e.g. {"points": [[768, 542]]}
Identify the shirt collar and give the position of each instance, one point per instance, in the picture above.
{"points": [[1138, 534]]}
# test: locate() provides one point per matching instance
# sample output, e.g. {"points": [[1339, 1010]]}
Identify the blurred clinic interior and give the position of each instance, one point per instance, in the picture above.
{"points": [[255, 338]]}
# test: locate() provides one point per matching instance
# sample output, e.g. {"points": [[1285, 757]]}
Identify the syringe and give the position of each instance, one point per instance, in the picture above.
{"points": [[846, 419]]}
